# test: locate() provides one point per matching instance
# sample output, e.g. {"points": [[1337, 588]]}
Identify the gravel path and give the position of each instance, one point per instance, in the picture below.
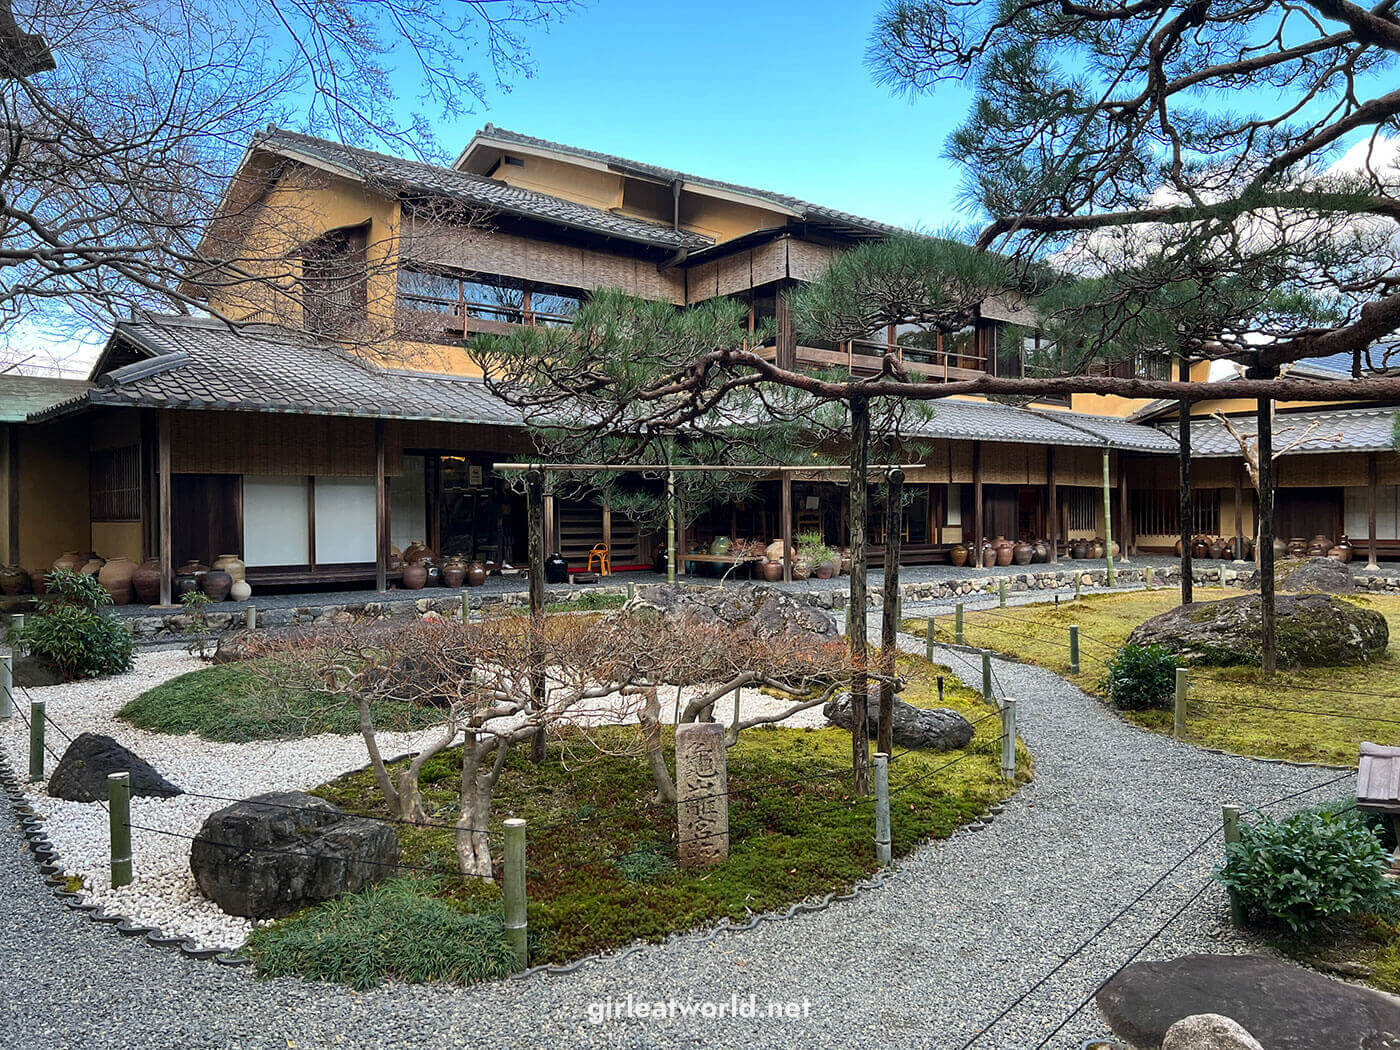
{"points": [[965, 927]]}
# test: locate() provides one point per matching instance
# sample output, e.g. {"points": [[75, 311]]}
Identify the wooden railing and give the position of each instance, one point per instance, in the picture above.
{"points": [[463, 316], [861, 357]]}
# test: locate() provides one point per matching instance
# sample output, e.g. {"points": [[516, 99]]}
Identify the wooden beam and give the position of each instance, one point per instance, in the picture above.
{"points": [[977, 501], [1053, 517], [311, 521], [12, 489], [785, 525], [381, 511], [163, 488], [1373, 476]]}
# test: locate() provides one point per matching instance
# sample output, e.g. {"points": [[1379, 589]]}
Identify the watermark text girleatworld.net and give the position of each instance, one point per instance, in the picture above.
{"points": [[634, 1007]]}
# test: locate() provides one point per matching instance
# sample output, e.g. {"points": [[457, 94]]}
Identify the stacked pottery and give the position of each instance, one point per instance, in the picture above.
{"points": [[416, 551], [1337, 554], [115, 577], [216, 584], [476, 574], [1319, 545], [13, 579], [415, 575], [145, 581], [958, 554], [72, 561], [233, 565], [395, 558], [454, 571], [1228, 550]]}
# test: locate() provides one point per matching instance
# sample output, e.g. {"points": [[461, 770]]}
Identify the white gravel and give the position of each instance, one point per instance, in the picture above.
{"points": [[163, 893]]}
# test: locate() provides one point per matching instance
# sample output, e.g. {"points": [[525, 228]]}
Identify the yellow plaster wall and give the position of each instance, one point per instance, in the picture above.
{"points": [[574, 182], [53, 487]]}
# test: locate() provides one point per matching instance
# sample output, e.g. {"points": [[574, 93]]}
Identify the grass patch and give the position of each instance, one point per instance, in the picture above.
{"points": [[1039, 634], [601, 861], [234, 702]]}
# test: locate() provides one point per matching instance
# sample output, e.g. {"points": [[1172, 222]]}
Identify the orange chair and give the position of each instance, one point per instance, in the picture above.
{"points": [[599, 553]]}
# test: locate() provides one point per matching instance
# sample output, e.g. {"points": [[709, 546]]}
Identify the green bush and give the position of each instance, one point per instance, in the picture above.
{"points": [[1140, 677], [1314, 866], [396, 929], [70, 633]]}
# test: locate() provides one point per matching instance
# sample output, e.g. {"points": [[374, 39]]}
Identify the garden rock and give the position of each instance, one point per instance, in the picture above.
{"points": [[934, 729], [1208, 1032], [30, 672], [1282, 1006], [1314, 576], [273, 854], [758, 612], [1312, 630], [81, 774]]}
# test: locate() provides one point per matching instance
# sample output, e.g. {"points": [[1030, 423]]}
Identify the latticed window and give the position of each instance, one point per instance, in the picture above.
{"points": [[115, 484], [1081, 508], [1158, 512]]}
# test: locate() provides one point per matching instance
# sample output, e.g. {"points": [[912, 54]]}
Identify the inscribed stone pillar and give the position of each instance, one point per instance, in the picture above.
{"points": [[702, 783]]}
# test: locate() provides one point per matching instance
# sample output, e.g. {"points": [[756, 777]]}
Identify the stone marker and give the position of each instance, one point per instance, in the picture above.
{"points": [[702, 780]]}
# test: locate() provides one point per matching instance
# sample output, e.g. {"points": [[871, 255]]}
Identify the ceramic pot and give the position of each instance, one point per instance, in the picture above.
{"points": [[13, 579], [395, 558], [1325, 542], [216, 584], [454, 571], [70, 560], [415, 575], [989, 556], [1005, 554], [720, 545], [1317, 550], [846, 564], [434, 572], [1337, 554], [1228, 553], [1177, 548], [233, 565], [958, 554], [1345, 546], [801, 568], [1079, 549], [556, 569], [145, 581], [1297, 547], [826, 569], [772, 570], [1216, 549], [40, 580], [416, 551], [1040, 552], [241, 591], [115, 577], [1116, 548], [1280, 549], [1096, 549], [1200, 548], [185, 583], [476, 574], [774, 551], [1022, 553], [93, 566]]}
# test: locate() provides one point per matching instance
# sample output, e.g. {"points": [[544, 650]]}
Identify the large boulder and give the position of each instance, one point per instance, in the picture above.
{"points": [[752, 610], [934, 729], [1311, 630], [1208, 1032], [1284, 1007], [1314, 576], [273, 854], [81, 774]]}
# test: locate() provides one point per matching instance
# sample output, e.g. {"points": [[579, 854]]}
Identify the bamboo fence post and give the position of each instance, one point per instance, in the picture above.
{"points": [[1008, 738], [517, 923], [36, 741], [882, 809], [7, 687], [1230, 818], [1074, 648], [928, 640], [119, 824], [1179, 705]]}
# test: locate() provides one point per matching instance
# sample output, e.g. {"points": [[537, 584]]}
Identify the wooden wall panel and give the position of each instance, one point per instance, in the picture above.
{"points": [[267, 443]]}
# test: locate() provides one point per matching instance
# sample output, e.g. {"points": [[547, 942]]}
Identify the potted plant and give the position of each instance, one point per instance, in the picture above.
{"points": [[817, 556]]}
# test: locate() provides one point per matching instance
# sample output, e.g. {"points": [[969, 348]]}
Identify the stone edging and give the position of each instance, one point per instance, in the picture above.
{"points": [[46, 857]]}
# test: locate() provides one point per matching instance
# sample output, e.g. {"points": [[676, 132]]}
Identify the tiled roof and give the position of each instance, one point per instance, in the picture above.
{"points": [[202, 364], [1368, 429], [808, 211], [400, 175], [990, 421], [22, 395]]}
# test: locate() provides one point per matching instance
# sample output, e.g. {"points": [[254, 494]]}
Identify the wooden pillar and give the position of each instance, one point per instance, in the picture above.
{"points": [[1267, 652], [1053, 517], [1125, 537], [1239, 512], [381, 511], [607, 528], [785, 525], [977, 501], [894, 535], [536, 520], [551, 541], [163, 487], [1183, 438], [1373, 476], [12, 488], [681, 545]]}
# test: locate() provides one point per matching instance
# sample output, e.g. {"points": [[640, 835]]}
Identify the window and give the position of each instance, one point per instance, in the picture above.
{"points": [[1005, 353], [114, 487], [1082, 508], [489, 298], [952, 507], [335, 280], [1158, 512]]}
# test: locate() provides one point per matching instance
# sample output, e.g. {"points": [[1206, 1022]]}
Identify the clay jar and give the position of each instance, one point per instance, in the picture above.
{"points": [[241, 591], [773, 570], [1297, 547], [1022, 553], [13, 579], [415, 575], [231, 564], [1216, 549], [476, 574], [454, 571], [989, 557], [70, 560], [145, 581], [1079, 549], [115, 577], [1096, 548], [216, 584], [1200, 548], [556, 569], [958, 555]]}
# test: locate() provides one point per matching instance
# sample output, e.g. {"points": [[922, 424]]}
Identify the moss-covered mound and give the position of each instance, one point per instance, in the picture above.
{"points": [[1312, 630]]}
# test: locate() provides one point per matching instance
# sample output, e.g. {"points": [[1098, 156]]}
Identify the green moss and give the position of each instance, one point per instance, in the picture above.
{"points": [[1039, 634], [601, 869]]}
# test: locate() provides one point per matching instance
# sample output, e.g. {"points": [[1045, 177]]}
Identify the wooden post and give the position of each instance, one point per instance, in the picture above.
{"points": [[119, 827], [1183, 439], [7, 687], [988, 695], [671, 526], [889, 628], [882, 809], [381, 511], [12, 483], [1107, 519], [1001, 593], [535, 525], [1053, 518], [513, 874], [681, 527], [607, 531], [1124, 517], [163, 487], [1230, 820], [1074, 648], [958, 623], [1372, 473], [1239, 512], [1268, 653], [785, 524], [856, 608], [1179, 705], [977, 501], [929, 639]]}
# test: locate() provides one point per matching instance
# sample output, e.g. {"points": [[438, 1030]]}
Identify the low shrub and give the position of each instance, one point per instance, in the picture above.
{"points": [[70, 634], [1314, 866], [395, 929], [1140, 677]]}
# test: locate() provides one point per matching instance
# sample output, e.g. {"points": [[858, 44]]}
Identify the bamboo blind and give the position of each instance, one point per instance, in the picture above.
{"points": [[268, 443]]}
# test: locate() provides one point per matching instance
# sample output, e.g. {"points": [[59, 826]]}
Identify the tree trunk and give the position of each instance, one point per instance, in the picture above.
{"points": [[478, 781], [1268, 653], [1183, 409], [856, 611], [656, 757], [535, 525], [894, 538]]}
